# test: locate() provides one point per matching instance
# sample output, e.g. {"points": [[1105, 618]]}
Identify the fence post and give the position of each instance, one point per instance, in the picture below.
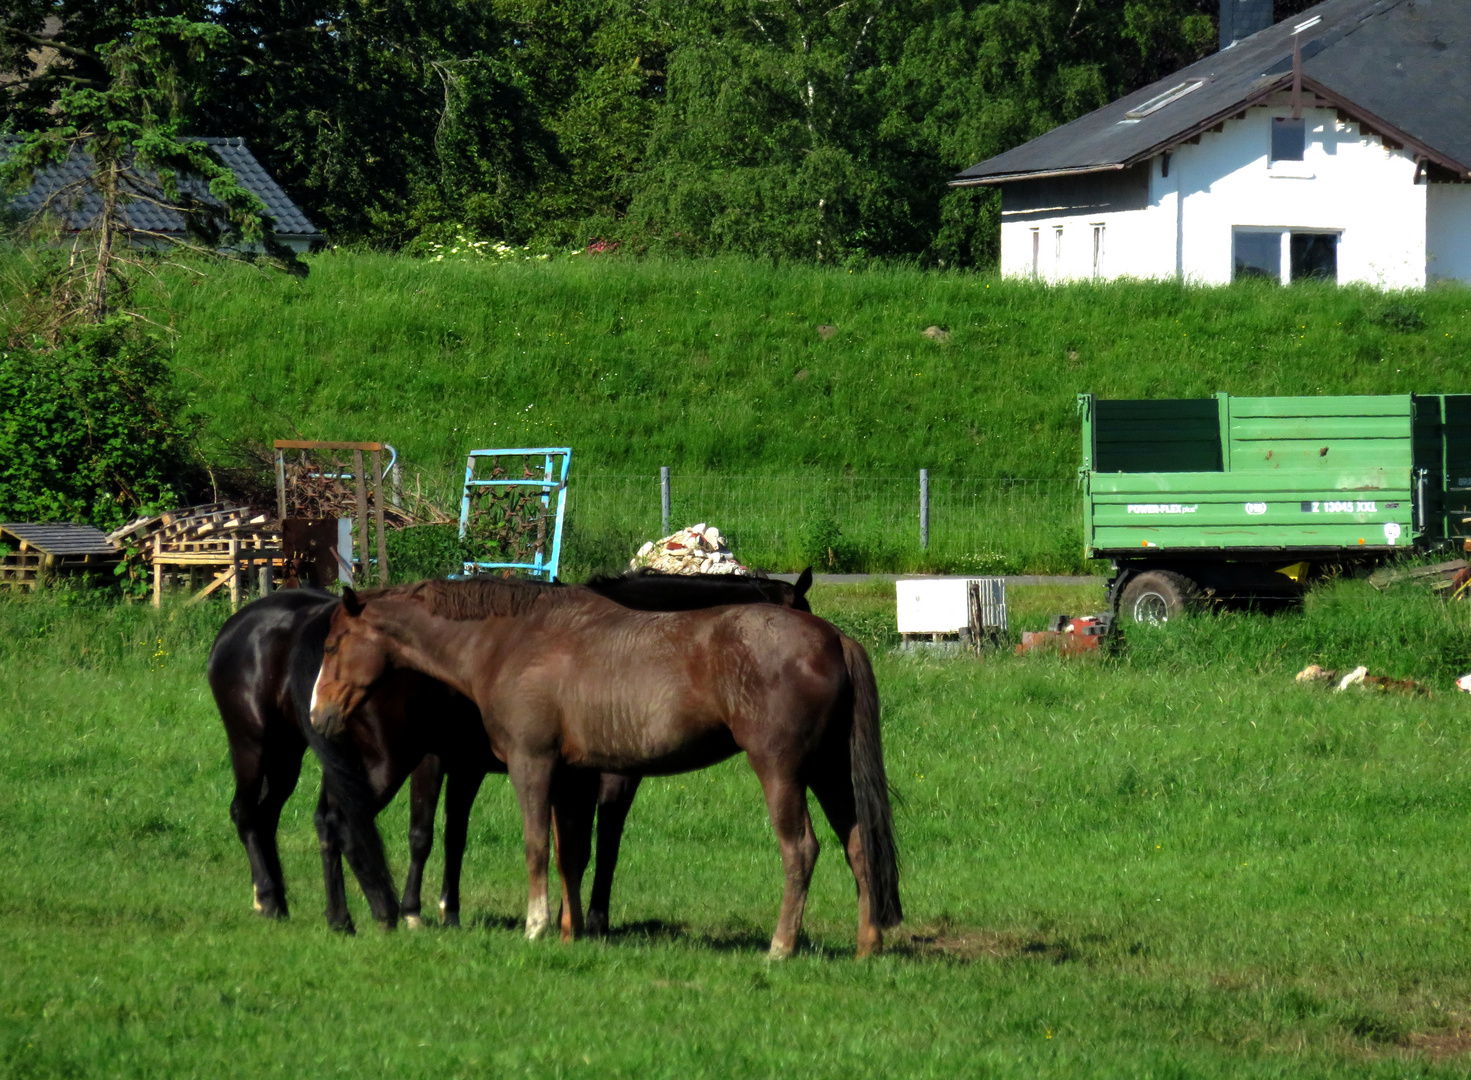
{"points": [[924, 509], [664, 497]]}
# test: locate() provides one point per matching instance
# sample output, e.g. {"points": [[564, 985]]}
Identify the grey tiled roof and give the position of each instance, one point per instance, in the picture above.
{"points": [[290, 222], [58, 538], [1403, 63]]}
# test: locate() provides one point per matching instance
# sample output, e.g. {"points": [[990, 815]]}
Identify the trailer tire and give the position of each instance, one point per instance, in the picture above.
{"points": [[1157, 596]]}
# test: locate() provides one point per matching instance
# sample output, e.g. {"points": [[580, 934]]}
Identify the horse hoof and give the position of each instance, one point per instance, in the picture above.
{"points": [[413, 922], [780, 952], [597, 924], [535, 928]]}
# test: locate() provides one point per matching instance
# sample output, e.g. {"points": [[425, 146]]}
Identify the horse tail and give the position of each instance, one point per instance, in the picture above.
{"points": [[871, 790]]}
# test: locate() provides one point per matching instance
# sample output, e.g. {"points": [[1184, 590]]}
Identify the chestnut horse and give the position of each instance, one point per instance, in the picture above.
{"points": [[261, 670], [569, 682]]}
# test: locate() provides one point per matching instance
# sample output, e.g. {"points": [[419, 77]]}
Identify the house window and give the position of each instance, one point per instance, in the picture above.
{"points": [[1036, 252], [1314, 257], [1284, 255], [1057, 252], [1289, 139], [1256, 255], [1098, 251]]}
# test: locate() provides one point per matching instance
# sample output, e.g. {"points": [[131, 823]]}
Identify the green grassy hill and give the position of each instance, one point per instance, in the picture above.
{"points": [[722, 367]]}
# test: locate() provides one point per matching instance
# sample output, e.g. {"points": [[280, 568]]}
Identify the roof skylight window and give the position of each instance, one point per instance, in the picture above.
{"points": [[1307, 24], [1169, 97]]}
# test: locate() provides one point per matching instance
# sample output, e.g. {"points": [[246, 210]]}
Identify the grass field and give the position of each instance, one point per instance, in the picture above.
{"points": [[719, 366], [1171, 863], [778, 396]]}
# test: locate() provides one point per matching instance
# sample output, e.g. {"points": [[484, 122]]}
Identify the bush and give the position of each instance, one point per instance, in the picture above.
{"points": [[825, 548], [92, 430], [424, 551]]}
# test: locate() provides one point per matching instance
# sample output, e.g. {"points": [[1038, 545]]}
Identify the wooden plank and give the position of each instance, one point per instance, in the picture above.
{"points": [[220, 579], [378, 517], [280, 484], [298, 444], [362, 492]]}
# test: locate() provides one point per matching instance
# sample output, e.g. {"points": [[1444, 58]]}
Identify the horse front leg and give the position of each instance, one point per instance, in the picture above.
{"points": [[786, 802], [424, 785], [615, 799], [532, 777], [328, 830], [464, 784]]}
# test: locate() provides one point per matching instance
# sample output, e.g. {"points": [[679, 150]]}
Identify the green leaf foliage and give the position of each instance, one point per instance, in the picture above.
{"points": [[91, 431], [768, 127]]}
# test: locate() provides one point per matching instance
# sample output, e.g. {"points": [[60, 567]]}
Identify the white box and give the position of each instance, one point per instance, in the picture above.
{"points": [[932, 605]]}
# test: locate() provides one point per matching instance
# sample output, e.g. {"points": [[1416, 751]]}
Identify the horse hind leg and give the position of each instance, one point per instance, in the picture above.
{"points": [[615, 798], [424, 785], [834, 791], [786, 803], [260, 794], [462, 787]]}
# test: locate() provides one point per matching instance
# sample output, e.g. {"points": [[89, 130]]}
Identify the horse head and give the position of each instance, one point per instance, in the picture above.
{"points": [[354, 657]]}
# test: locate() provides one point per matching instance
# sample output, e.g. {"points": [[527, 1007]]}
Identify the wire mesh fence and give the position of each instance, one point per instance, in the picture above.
{"points": [[851, 523], [836, 524]]}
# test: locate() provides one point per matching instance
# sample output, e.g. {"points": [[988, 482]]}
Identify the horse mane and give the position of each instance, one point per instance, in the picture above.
{"points": [[478, 598]]}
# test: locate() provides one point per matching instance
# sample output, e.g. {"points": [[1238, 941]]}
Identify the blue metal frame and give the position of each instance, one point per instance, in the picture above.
{"points": [[539, 567]]}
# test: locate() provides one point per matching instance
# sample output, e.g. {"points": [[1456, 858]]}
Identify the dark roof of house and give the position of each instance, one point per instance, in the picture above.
{"points": [[290, 221], [1400, 67], [59, 538]]}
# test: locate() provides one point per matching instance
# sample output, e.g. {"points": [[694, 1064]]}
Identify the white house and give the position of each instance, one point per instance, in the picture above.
{"points": [[1334, 145]]}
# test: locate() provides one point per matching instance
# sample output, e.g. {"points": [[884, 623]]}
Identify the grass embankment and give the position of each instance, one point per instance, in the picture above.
{"points": [[719, 369], [1171, 863]]}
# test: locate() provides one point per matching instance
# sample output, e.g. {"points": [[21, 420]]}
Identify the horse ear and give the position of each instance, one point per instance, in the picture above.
{"points": [[351, 601], [804, 582]]}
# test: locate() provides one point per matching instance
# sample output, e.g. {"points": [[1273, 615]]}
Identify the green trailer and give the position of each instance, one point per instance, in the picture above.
{"points": [[1249, 497]]}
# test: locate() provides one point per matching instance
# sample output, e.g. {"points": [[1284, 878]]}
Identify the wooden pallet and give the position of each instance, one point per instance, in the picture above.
{"points": [[234, 562], [40, 551]]}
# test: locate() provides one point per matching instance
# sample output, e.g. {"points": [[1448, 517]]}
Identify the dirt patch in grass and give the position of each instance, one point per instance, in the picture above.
{"points": [[971, 945], [1440, 1044]]}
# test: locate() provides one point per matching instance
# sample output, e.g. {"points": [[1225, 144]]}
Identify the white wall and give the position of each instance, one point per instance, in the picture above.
{"points": [[1347, 183], [1449, 232]]}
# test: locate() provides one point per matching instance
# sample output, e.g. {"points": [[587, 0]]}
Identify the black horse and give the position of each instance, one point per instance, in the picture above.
{"points": [[261, 670]]}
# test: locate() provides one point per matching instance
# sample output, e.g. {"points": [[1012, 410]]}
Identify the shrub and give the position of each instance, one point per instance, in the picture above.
{"points": [[424, 551], [92, 430]]}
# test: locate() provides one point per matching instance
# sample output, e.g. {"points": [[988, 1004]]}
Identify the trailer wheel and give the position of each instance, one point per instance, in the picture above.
{"points": [[1157, 596]]}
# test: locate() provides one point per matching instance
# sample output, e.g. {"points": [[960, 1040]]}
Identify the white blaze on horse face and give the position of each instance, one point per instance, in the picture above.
{"points": [[315, 687]]}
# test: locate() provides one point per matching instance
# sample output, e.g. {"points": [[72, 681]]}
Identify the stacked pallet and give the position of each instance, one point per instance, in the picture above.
{"points": [[232, 546], [30, 554]]}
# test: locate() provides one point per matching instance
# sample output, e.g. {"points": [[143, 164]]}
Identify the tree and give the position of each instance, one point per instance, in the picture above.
{"points": [[116, 123]]}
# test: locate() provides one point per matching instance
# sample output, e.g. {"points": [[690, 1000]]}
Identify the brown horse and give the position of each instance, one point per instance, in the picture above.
{"points": [[568, 682], [261, 670]]}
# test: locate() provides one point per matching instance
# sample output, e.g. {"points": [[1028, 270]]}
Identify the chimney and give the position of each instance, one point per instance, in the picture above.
{"points": [[1242, 18]]}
